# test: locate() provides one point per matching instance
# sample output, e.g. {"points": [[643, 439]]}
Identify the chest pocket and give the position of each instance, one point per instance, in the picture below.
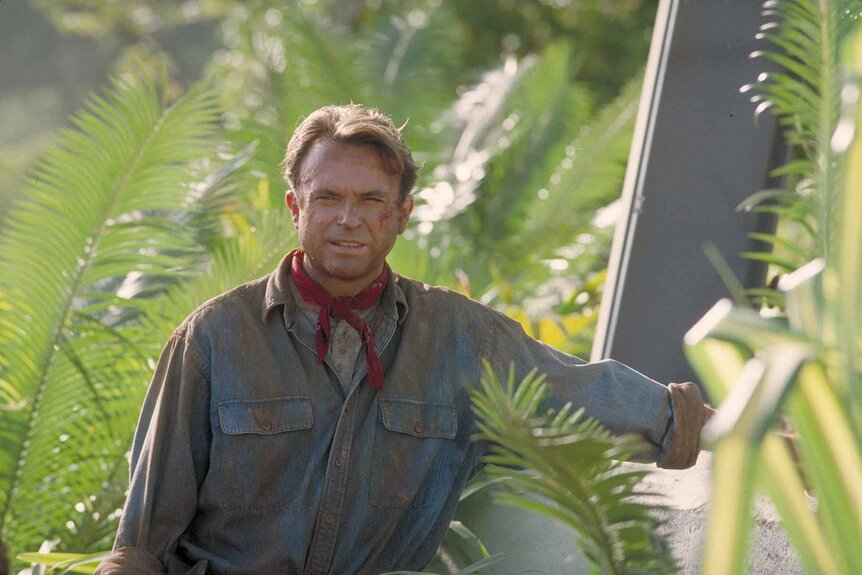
{"points": [[264, 451], [413, 443]]}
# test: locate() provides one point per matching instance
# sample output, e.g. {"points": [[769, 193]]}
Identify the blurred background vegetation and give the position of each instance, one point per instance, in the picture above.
{"points": [[521, 113], [501, 98], [166, 191]]}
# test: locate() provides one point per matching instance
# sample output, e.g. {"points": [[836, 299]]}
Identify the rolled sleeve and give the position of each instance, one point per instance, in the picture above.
{"points": [[682, 445]]}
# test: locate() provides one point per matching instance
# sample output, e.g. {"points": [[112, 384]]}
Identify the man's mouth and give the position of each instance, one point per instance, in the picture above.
{"points": [[348, 247]]}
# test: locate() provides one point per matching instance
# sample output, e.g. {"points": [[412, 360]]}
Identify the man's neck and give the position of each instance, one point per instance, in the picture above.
{"points": [[339, 288]]}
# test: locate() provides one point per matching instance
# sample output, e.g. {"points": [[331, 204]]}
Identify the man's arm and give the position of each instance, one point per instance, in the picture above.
{"points": [[668, 418], [170, 455]]}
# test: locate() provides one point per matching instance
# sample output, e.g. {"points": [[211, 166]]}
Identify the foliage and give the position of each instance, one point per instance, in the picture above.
{"points": [[97, 211], [101, 18], [145, 209], [526, 161], [574, 474], [65, 562], [802, 89], [806, 366], [286, 62], [523, 150], [611, 36]]}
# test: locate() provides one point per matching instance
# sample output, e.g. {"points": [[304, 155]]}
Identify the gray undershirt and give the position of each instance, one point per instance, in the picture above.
{"points": [[345, 345]]}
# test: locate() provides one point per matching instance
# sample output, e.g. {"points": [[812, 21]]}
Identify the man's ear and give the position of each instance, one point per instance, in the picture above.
{"points": [[292, 201], [404, 213]]}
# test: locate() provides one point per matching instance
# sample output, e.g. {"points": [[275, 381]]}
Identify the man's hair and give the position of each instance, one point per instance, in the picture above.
{"points": [[355, 125]]}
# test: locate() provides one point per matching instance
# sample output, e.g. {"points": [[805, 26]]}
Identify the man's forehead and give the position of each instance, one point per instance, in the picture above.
{"points": [[326, 158]]}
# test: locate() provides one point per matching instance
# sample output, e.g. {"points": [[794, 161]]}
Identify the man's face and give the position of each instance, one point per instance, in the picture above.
{"points": [[348, 215]]}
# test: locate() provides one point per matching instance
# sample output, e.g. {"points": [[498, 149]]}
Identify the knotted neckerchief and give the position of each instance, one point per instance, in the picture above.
{"points": [[341, 308]]}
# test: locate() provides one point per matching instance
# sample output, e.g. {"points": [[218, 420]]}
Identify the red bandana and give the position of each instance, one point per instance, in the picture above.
{"points": [[341, 308]]}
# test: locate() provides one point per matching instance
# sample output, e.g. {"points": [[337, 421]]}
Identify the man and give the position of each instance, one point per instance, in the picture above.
{"points": [[317, 420]]}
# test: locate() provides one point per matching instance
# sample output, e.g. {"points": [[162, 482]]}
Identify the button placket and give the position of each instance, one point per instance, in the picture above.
{"points": [[335, 482], [334, 486]]}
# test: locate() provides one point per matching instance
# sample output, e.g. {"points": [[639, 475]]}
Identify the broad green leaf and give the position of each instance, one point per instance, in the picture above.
{"points": [[65, 562], [573, 475], [94, 197], [730, 514], [782, 477]]}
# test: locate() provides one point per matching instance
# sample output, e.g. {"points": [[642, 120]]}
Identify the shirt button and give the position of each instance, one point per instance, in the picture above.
{"points": [[328, 519], [338, 462], [267, 426], [417, 428]]}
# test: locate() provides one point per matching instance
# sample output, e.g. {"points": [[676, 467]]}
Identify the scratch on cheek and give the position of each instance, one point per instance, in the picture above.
{"points": [[385, 216]]}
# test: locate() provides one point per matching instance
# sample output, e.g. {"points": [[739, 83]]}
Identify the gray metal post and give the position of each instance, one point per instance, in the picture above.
{"points": [[697, 153]]}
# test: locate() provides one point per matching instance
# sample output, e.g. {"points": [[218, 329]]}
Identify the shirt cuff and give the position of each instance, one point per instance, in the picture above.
{"points": [[130, 561], [683, 446]]}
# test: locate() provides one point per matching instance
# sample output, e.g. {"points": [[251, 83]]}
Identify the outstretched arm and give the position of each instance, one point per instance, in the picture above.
{"points": [[668, 418]]}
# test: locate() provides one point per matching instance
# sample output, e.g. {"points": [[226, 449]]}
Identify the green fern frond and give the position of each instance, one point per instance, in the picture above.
{"points": [[288, 61], [804, 94], [320, 67], [537, 119], [587, 177], [252, 254], [477, 121], [573, 474], [411, 65], [93, 214]]}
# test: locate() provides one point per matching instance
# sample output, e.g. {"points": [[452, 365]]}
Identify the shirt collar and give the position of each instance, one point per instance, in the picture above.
{"points": [[278, 293]]}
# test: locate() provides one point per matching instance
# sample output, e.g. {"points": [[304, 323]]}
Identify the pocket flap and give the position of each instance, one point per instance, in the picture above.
{"points": [[265, 416], [419, 418]]}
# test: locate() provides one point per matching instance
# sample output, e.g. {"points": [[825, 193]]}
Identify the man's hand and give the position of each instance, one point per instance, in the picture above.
{"points": [[709, 410]]}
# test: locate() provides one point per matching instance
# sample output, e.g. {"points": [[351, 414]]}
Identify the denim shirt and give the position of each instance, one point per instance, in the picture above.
{"points": [[250, 457]]}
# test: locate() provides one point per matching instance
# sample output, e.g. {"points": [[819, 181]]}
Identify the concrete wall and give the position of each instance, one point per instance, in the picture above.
{"points": [[537, 545]]}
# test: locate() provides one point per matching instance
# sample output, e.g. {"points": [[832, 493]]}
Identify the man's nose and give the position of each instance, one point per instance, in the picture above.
{"points": [[348, 214]]}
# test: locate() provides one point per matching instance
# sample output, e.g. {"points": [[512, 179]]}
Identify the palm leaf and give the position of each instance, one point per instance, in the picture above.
{"points": [[92, 214], [476, 122], [804, 94], [511, 133], [586, 178], [254, 252], [848, 307], [768, 364], [528, 159], [287, 62], [411, 65], [573, 476], [527, 140], [61, 563], [320, 69]]}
